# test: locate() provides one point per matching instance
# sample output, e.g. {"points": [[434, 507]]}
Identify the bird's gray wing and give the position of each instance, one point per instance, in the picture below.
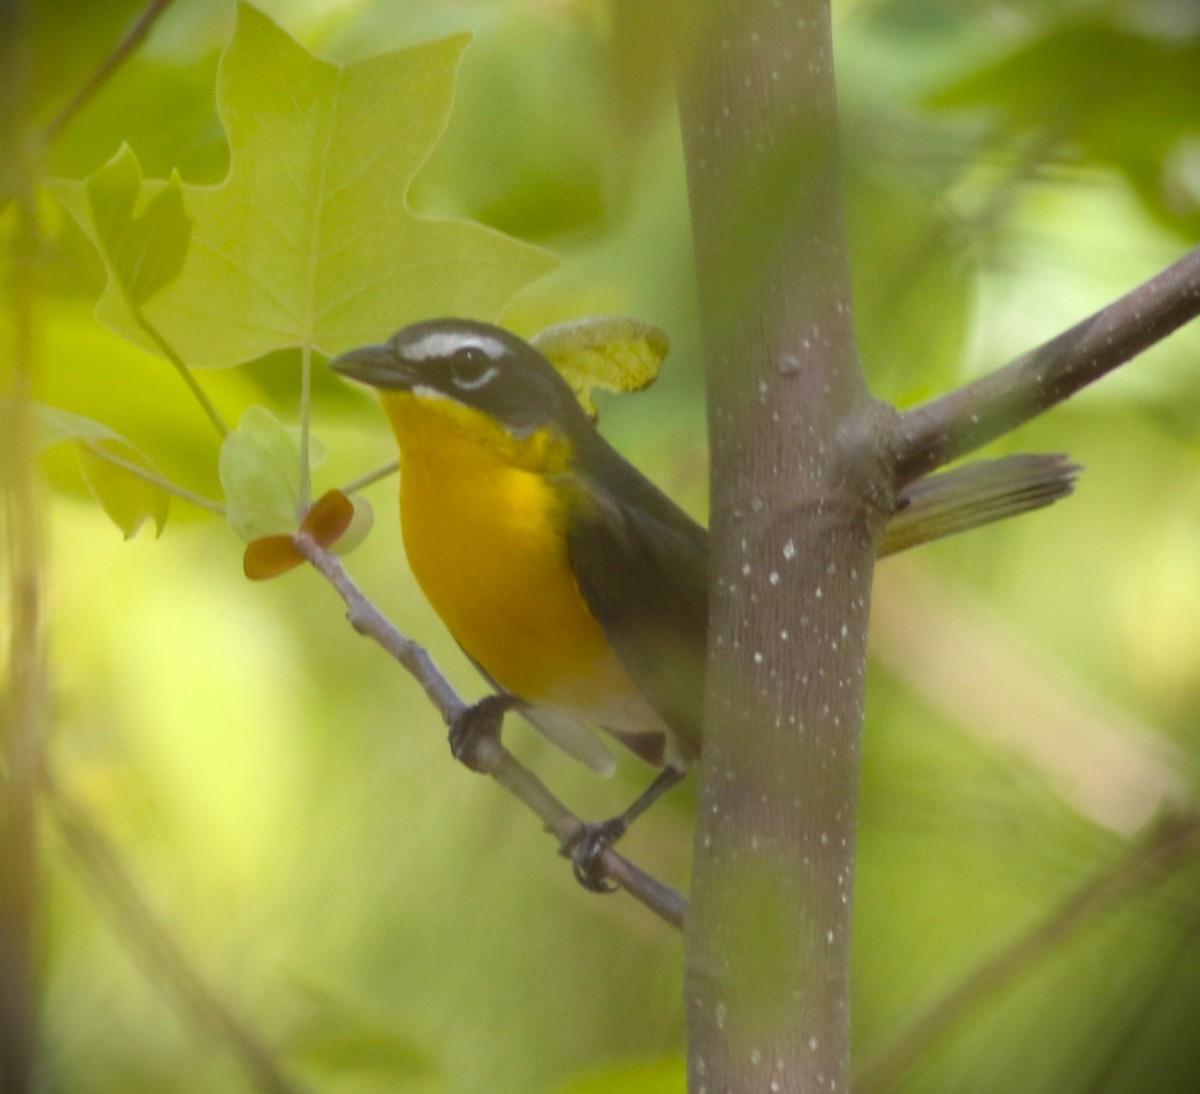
{"points": [[642, 566]]}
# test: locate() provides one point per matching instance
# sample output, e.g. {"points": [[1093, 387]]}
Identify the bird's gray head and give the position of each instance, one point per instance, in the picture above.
{"points": [[476, 364]]}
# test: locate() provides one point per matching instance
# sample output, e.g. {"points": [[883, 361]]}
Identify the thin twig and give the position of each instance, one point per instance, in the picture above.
{"points": [[491, 756], [369, 621], [123, 51], [936, 432], [154, 947], [1168, 845]]}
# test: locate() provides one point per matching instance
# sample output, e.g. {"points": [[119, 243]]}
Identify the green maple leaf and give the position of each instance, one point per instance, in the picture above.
{"points": [[309, 241]]}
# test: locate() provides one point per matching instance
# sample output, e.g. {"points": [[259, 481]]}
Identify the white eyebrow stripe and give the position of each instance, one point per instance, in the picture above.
{"points": [[444, 343]]}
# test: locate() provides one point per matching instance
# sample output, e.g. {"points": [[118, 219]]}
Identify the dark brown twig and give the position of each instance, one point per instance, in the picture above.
{"points": [[490, 755], [939, 431]]}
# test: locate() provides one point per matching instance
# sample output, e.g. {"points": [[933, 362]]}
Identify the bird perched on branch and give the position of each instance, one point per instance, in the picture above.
{"points": [[574, 584]]}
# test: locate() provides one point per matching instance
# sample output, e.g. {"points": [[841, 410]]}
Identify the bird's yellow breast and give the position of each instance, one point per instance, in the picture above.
{"points": [[484, 529]]}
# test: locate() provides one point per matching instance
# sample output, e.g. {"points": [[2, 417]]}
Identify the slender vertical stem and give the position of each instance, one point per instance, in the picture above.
{"points": [[23, 704], [305, 406], [799, 492]]}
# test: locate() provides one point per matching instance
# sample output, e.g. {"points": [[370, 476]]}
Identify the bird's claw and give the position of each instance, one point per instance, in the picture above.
{"points": [[480, 722], [586, 848]]}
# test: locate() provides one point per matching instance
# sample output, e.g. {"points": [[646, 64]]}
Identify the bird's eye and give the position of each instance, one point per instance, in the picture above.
{"points": [[471, 368]]}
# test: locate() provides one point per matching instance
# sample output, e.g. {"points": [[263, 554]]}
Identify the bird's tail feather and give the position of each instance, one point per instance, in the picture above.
{"points": [[976, 494]]}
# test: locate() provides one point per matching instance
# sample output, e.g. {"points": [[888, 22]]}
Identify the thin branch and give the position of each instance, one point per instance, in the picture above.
{"points": [[491, 756], [518, 780], [1168, 845], [123, 51], [150, 942], [160, 482], [955, 424], [370, 622]]}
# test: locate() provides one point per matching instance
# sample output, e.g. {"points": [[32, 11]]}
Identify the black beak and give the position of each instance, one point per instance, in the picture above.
{"points": [[378, 366]]}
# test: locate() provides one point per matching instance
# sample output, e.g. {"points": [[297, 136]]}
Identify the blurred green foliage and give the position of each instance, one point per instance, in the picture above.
{"points": [[283, 799]]}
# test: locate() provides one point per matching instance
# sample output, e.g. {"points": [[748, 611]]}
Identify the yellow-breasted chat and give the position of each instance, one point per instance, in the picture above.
{"points": [[574, 584], [568, 578]]}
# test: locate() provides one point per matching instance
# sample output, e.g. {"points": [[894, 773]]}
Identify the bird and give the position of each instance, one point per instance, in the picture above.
{"points": [[575, 585], [572, 582]]}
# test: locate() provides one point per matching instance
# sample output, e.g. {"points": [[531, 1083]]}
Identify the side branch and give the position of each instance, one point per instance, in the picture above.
{"points": [[492, 757], [1169, 843], [942, 430]]}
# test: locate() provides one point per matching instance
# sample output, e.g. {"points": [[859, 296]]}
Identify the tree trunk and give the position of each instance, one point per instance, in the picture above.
{"points": [[799, 491]]}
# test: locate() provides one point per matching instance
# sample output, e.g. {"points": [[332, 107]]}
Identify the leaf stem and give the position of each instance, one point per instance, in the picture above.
{"points": [[185, 373], [161, 482], [371, 477], [305, 411]]}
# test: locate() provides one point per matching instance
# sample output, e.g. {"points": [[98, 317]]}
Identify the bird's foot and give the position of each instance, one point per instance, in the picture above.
{"points": [[477, 727], [585, 849]]}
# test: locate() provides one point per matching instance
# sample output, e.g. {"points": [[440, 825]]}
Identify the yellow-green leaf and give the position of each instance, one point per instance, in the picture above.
{"points": [[128, 500], [260, 474], [610, 352], [309, 241], [142, 232]]}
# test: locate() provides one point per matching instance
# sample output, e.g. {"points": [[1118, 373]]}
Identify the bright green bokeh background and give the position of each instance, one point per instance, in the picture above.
{"points": [[284, 798]]}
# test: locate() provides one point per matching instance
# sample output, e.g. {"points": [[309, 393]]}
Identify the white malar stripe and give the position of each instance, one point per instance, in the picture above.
{"points": [[444, 344]]}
